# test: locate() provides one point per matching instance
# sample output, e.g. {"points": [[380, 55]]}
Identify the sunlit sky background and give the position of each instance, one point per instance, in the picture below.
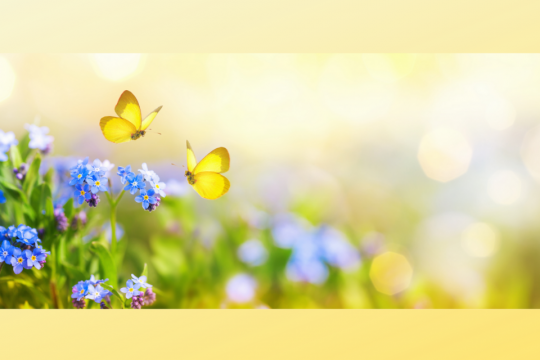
{"points": [[455, 137]]}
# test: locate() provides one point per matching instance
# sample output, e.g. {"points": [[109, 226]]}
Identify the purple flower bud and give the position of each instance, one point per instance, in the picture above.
{"points": [[41, 232], [93, 201], [47, 149], [61, 220], [137, 302], [149, 297], [153, 207], [79, 304], [20, 173], [103, 306]]}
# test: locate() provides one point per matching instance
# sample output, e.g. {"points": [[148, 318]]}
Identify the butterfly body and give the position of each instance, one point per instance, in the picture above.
{"points": [[205, 176], [129, 124]]}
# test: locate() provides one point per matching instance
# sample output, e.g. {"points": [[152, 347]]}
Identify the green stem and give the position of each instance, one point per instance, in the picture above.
{"points": [[1, 266], [113, 204]]}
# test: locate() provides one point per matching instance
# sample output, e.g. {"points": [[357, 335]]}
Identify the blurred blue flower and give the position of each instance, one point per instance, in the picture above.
{"points": [[6, 250], [141, 280], [336, 249], [108, 231], [34, 258], [2, 197], [80, 290], [7, 140], [39, 138], [131, 289], [124, 173], [81, 164], [241, 288], [78, 176], [177, 188], [82, 193], [95, 282], [146, 198], [135, 183], [253, 252], [97, 184], [27, 235], [96, 168], [18, 261], [97, 293], [287, 229]]}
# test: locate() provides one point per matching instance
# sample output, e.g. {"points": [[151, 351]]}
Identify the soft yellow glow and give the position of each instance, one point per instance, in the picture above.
{"points": [[444, 154], [116, 67], [389, 67], [391, 273], [500, 114], [504, 187], [7, 79], [530, 152], [348, 90], [480, 240]]}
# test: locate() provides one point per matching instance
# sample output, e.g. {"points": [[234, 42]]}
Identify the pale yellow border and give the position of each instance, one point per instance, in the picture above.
{"points": [[269, 26], [270, 334]]}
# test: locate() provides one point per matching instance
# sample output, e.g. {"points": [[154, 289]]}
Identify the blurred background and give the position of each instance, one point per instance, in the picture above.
{"points": [[357, 180]]}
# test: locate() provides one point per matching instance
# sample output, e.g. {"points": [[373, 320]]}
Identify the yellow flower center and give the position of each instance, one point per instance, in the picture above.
{"points": [[145, 197], [20, 260], [157, 186], [33, 258], [98, 183], [79, 176], [82, 291], [130, 289], [83, 192]]}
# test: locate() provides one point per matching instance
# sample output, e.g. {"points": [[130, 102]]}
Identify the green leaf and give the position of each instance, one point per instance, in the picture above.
{"points": [[23, 147], [15, 157], [14, 191], [49, 177], [145, 271], [106, 262], [115, 293], [73, 272], [32, 176], [69, 209]]}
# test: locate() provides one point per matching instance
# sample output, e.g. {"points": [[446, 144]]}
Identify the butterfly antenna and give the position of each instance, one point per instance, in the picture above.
{"points": [[156, 132], [177, 165]]}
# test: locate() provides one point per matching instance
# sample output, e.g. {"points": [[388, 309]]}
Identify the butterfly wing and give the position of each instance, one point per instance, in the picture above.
{"points": [[116, 129], [149, 118], [217, 160], [211, 185], [128, 108], [191, 160]]}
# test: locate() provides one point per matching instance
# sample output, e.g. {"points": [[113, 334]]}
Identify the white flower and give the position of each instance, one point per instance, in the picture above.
{"points": [[159, 187], [107, 166], [241, 288], [149, 175], [177, 188], [253, 252], [38, 137]]}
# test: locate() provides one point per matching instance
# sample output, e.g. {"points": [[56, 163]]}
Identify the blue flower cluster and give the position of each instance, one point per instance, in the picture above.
{"points": [[92, 290], [150, 198], [135, 290], [89, 180], [313, 249], [7, 140], [20, 248]]}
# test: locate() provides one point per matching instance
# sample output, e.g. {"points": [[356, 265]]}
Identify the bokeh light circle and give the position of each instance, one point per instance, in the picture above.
{"points": [[391, 273], [444, 154], [480, 240], [504, 187]]}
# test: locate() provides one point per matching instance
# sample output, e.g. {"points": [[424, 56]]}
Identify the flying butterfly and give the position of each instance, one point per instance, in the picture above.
{"points": [[128, 125], [205, 176]]}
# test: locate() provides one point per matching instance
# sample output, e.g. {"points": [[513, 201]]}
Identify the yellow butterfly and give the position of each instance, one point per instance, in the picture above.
{"points": [[128, 126], [205, 176]]}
